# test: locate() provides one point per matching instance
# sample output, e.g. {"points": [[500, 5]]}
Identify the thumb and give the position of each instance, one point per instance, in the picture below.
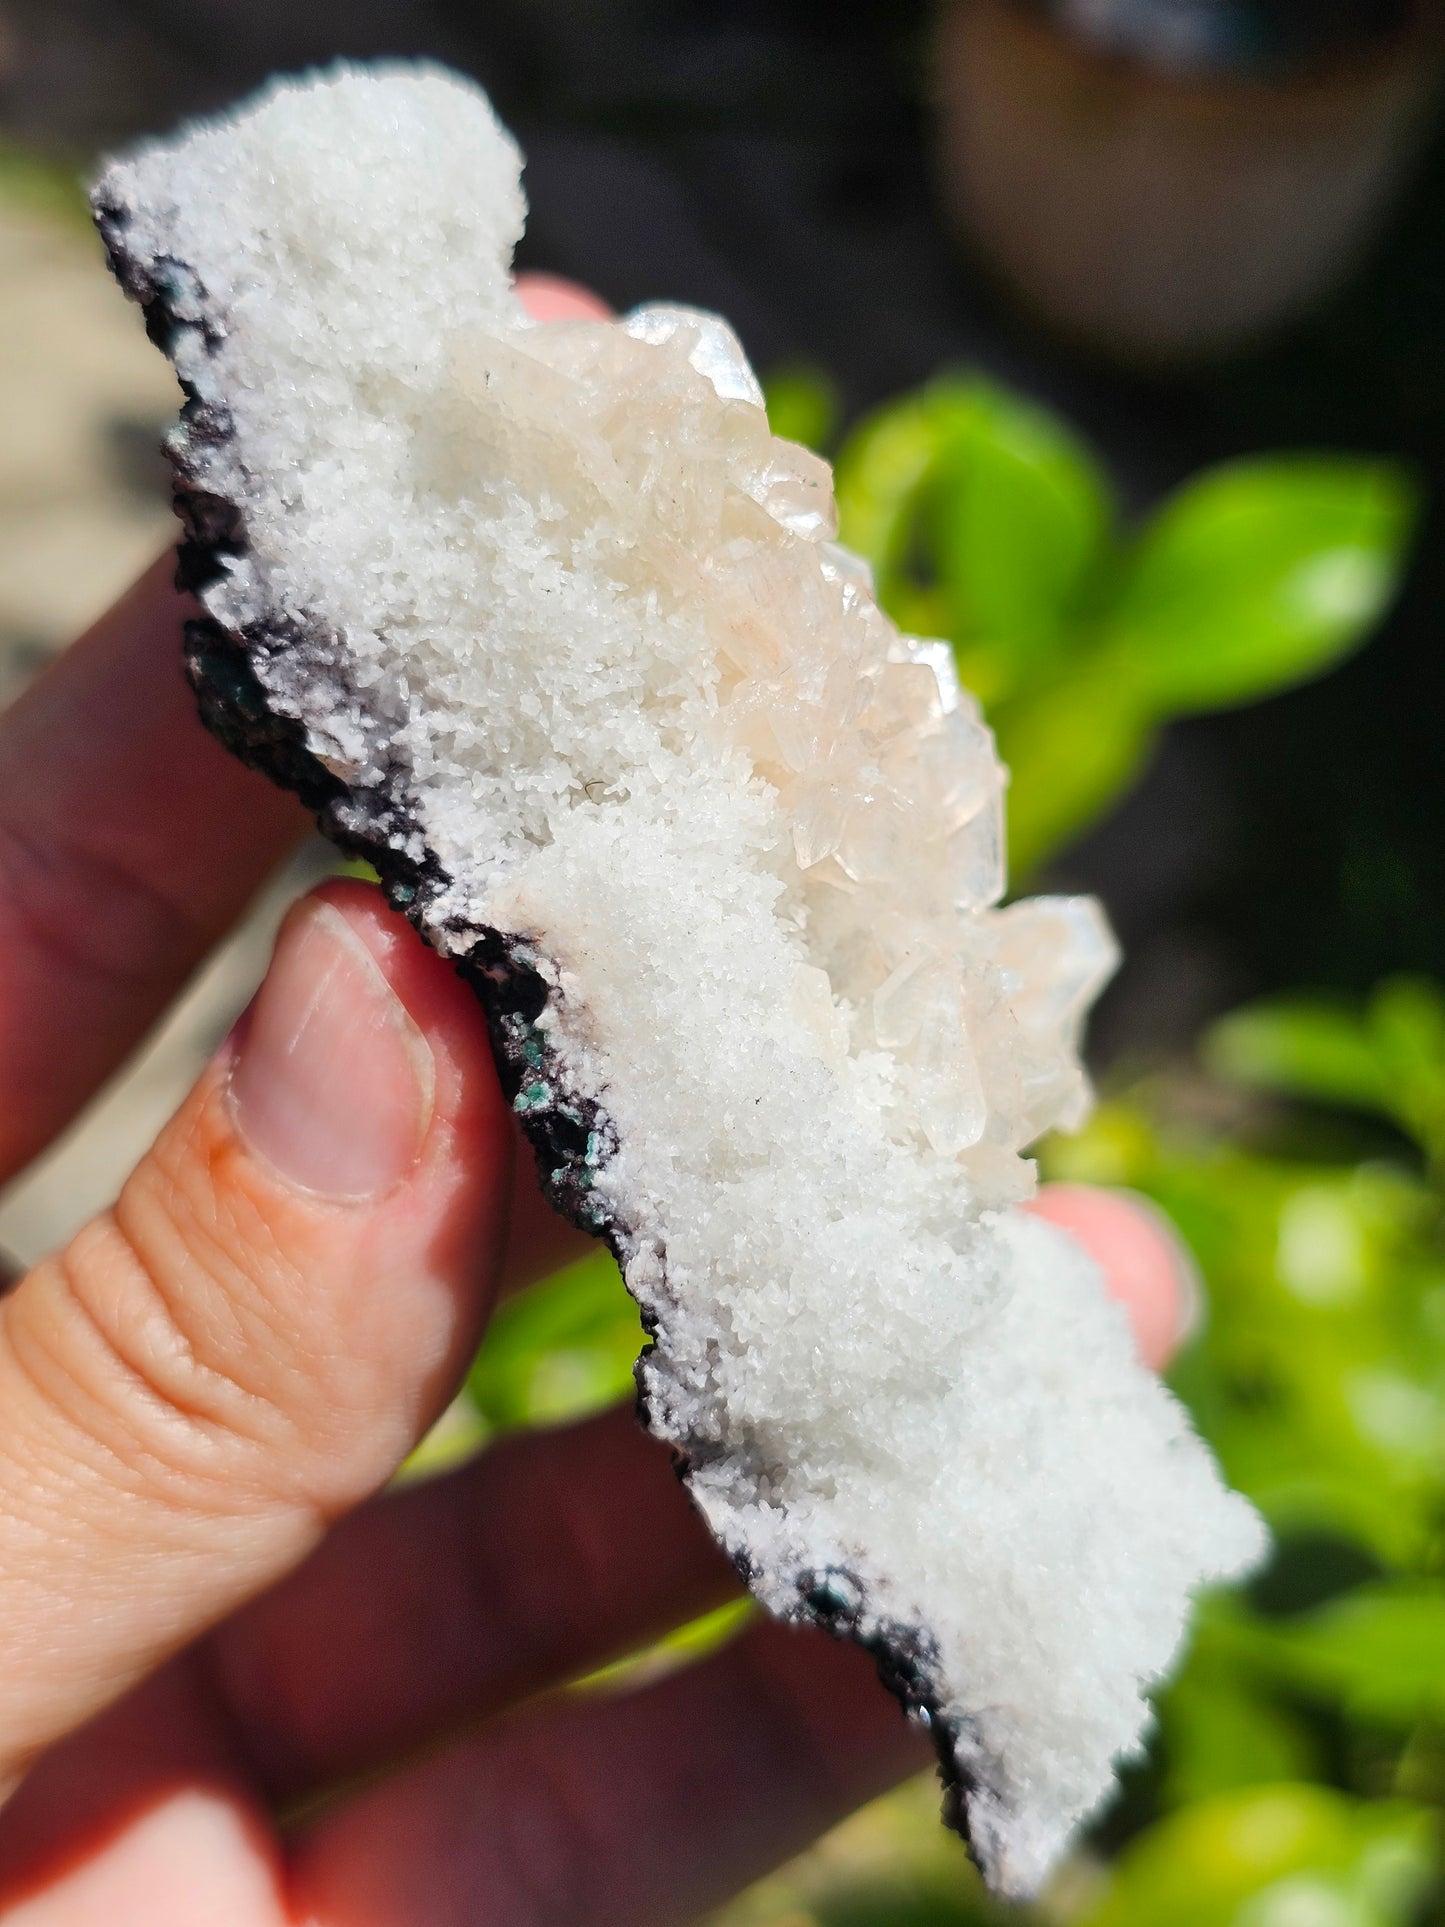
{"points": [[248, 1344]]}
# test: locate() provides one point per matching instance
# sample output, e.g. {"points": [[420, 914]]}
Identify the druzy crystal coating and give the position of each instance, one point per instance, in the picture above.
{"points": [[546, 620]]}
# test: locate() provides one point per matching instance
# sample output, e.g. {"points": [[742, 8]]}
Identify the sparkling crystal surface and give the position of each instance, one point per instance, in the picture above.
{"points": [[556, 596]]}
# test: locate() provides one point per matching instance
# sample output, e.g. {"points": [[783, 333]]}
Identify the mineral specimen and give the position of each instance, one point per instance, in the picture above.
{"points": [[543, 620]]}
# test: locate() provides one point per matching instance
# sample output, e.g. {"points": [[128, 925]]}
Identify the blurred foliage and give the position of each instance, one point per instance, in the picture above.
{"points": [[1300, 1764], [558, 1352], [803, 405], [1283, 1856], [987, 521], [1298, 1769], [34, 185]]}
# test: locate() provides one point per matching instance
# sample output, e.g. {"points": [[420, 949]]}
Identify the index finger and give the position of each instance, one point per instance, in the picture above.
{"points": [[129, 842]]}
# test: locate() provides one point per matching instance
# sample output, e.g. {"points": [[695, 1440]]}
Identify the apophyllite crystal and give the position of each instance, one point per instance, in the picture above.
{"points": [[543, 619]]}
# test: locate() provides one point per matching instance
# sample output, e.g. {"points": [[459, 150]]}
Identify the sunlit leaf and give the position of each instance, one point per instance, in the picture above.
{"points": [[1378, 1653], [803, 405], [1319, 1374], [1300, 1048], [1388, 1057], [1407, 1025], [983, 517], [559, 1350], [888, 1865], [458, 1434], [36, 185], [1259, 575], [1071, 750], [1018, 512], [1222, 1732], [1274, 1857], [1407, 1015], [880, 473], [684, 1646]]}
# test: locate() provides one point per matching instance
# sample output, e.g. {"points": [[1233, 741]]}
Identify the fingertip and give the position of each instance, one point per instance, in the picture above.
{"points": [[552, 297], [539, 1240], [397, 949], [1147, 1266], [427, 983]]}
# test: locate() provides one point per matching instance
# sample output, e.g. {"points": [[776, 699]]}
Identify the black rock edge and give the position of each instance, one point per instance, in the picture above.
{"points": [[569, 1134]]}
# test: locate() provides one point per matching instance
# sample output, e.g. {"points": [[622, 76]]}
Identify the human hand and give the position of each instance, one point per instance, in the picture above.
{"points": [[235, 1685]]}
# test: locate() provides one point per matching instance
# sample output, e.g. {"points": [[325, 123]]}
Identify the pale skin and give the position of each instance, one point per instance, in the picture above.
{"points": [[239, 1683]]}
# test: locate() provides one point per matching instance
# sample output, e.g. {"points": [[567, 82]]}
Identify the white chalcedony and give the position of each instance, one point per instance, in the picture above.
{"points": [[560, 594]]}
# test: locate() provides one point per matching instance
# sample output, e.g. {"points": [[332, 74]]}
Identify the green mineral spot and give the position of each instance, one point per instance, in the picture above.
{"points": [[833, 1594], [534, 1050], [247, 699], [531, 1097]]}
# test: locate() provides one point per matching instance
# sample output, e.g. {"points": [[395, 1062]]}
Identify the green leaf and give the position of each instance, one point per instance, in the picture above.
{"points": [[458, 1435], [1378, 1653], [1407, 1017], [1407, 1026], [879, 473], [1257, 576], [34, 184], [1318, 1376], [1389, 1059], [984, 518], [803, 405], [561, 1349], [1019, 514], [1274, 1857], [1301, 1048], [681, 1647], [1071, 750], [1221, 1732], [890, 1864]]}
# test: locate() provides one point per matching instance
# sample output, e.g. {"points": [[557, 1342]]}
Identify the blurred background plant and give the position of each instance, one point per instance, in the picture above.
{"points": [[1133, 622], [988, 521], [1299, 1771]]}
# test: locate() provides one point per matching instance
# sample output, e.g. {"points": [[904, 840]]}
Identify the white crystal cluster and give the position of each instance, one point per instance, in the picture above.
{"points": [[886, 791], [568, 596]]}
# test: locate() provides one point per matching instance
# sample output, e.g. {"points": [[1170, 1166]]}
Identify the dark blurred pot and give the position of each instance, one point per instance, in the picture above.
{"points": [[1165, 216]]}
